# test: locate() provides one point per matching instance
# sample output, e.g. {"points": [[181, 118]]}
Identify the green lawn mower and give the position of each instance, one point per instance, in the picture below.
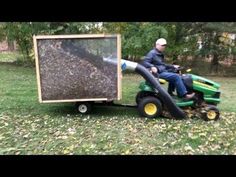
{"points": [[153, 100]]}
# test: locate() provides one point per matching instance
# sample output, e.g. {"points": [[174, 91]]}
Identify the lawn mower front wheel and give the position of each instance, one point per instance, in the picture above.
{"points": [[150, 107], [211, 113]]}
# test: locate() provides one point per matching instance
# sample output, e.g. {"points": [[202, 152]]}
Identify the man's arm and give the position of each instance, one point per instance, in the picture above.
{"points": [[169, 66], [147, 62]]}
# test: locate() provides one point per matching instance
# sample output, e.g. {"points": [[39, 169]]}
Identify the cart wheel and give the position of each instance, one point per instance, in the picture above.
{"points": [[150, 107], [211, 113], [83, 107]]}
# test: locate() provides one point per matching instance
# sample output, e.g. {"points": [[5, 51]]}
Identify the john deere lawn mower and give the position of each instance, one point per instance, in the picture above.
{"points": [[154, 101], [204, 103]]}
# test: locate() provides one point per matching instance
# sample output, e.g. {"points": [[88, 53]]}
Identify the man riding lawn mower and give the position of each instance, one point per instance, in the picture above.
{"points": [[203, 104], [192, 91]]}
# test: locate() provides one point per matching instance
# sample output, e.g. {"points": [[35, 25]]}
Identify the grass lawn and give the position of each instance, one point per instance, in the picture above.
{"points": [[9, 56], [27, 127]]}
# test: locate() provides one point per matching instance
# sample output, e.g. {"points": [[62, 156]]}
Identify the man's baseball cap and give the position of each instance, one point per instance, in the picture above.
{"points": [[161, 41]]}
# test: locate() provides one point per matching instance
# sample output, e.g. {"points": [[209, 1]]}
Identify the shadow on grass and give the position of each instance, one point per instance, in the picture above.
{"points": [[63, 109], [98, 111]]}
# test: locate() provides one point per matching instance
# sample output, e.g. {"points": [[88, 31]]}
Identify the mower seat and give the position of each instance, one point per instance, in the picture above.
{"points": [[162, 81]]}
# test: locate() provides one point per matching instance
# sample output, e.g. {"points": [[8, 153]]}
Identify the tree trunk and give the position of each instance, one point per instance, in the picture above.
{"points": [[11, 46], [234, 58], [214, 64]]}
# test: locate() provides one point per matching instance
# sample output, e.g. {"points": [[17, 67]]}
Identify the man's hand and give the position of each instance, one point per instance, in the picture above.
{"points": [[154, 69], [176, 66]]}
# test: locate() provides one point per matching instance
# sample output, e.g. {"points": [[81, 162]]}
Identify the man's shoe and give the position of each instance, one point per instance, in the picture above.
{"points": [[189, 96]]}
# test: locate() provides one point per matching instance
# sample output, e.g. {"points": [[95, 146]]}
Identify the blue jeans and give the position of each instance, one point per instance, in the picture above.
{"points": [[171, 87], [175, 81]]}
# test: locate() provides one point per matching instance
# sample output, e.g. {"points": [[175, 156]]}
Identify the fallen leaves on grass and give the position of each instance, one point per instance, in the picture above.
{"points": [[75, 134]]}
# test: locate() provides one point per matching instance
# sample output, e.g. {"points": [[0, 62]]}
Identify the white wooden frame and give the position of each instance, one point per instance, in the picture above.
{"points": [[80, 36]]}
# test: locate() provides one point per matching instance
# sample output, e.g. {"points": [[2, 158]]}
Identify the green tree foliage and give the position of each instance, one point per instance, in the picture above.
{"points": [[182, 39], [214, 43], [137, 37], [22, 33]]}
